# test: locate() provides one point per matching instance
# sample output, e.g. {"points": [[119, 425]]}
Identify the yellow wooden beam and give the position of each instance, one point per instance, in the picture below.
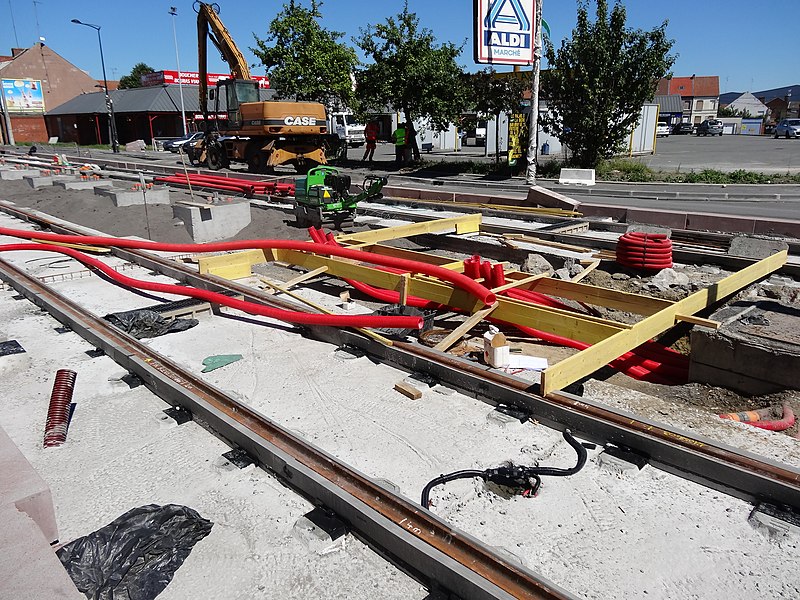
{"points": [[588, 269], [235, 265], [460, 225], [83, 247], [698, 321], [519, 283], [305, 277], [585, 328], [588, 361], [599, 296]]}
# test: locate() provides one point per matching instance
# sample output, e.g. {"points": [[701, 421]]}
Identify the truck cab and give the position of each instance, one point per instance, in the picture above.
{"points": [[347, 127]]}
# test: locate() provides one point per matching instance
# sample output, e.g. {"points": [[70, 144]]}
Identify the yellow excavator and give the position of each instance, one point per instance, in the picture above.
{"points": [[261, 134]]}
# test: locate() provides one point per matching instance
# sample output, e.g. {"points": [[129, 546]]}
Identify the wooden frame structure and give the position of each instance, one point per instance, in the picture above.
{"points": [[608, 339]]}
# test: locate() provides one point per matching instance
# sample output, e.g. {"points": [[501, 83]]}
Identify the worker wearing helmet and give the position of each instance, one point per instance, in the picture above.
{"points": [[399, 137]]}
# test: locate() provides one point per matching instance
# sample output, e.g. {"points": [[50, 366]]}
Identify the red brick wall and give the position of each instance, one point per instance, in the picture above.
{"points": [[29, 129]]}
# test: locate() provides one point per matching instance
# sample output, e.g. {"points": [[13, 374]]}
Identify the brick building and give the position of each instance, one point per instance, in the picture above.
{"points": [[700, 96], [35, 80]]}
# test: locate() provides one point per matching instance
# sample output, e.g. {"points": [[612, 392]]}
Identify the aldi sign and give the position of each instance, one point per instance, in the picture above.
{"points": [[504, 31]]}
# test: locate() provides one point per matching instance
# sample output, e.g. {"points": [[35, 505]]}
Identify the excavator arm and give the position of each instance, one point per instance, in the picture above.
{"points": [[208, 18]]}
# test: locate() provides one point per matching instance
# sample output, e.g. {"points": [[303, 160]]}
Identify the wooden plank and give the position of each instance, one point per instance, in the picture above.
{"points": [[535, 240], [578, 326], [231, 266], [592, 266], [600, 296], [462, 329], [319, 308], [83, 247], [305, 277], [404, 289], [698, 321], [519, 282], [408, 390], [460, 225], [587, 361]]}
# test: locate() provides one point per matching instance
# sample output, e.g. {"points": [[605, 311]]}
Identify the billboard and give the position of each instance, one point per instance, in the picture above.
{"points": [[192, 78], [504, 31], [23, 95]]}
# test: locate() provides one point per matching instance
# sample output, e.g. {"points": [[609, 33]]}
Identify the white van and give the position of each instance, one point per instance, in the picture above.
{"points": [[345, 125]]}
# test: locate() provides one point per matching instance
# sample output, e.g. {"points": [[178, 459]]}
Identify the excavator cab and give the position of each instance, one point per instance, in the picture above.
{"points": [[236, 92]]}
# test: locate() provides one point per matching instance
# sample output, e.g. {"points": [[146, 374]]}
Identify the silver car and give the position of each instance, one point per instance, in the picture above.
{"points": [[790, 128]]}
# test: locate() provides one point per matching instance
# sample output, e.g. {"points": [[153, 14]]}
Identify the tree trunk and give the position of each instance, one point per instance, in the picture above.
{"points": [[411, 136]]}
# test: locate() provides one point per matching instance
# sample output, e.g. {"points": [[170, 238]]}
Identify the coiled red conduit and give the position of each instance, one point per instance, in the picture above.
{"points": [[650, 251], [672, 367], [55, 429]]}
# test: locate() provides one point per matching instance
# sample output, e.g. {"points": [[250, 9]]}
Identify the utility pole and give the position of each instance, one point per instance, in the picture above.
{"points": [[533, 137], [174, 12], [9, 135]]}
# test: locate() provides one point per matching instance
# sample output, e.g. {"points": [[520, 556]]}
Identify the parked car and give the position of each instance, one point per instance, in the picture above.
{"points": [[790, 128], [189, 138], [662, 130], [710, 127], [683, 129]]}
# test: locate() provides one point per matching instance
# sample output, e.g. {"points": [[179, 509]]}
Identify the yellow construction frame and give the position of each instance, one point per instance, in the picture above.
{"points": [[608, 339]]}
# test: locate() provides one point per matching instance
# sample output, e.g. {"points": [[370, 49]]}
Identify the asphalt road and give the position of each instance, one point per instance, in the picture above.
{"points": [[685, 153]]}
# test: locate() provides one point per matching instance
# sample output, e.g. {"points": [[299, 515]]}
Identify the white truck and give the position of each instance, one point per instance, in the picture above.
{"points": [[347, 127]]}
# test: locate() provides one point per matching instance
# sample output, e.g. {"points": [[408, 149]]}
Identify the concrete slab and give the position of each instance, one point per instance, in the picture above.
{"points": [[576, 177], [22, 488], [37, 181], [7, 174], [750, 247], [755, 352], [79, 184], [120, 197], [540, 196], [213, 222], [29, 569]]}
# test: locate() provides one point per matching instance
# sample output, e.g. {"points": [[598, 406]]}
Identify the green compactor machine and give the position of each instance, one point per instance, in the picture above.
{"points": [[323, 197]]}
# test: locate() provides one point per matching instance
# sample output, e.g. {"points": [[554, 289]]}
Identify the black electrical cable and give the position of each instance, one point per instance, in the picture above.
{"points": [[528, 478]]}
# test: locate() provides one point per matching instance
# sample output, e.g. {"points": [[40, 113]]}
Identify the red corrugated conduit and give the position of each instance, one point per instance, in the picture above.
{"points": [[755, 418], [55, 429], [649, 251], [230, 184]]}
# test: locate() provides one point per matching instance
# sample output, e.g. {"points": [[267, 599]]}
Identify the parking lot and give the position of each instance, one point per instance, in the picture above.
{"points": [[686, 153]]}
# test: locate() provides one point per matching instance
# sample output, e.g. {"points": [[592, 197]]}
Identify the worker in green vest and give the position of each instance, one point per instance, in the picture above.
{"points": [[399, 137]]}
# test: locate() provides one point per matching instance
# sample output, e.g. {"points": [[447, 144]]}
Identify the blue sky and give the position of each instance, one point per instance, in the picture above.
{"points": [[749, 49]]}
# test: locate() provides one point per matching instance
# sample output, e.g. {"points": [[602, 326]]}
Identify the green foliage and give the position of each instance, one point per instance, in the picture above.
{"points": [[410, 72], [305, 61], [134, 79], [495, 94], [727, 111], [599, 79], [623, 170]]}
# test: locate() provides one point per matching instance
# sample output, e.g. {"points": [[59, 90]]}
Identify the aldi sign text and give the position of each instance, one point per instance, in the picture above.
{"points": [[504, 31]]}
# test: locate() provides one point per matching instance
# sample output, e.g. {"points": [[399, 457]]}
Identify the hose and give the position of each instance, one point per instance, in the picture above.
{"points": [[649, 251], [527, 479], [782, 424], [300, 318], [457, 279]]}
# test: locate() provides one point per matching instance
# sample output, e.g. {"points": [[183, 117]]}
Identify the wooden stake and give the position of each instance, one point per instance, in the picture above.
{"points": [[462, 329]]}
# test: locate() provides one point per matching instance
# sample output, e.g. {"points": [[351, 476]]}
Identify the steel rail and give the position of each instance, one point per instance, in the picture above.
{"points": [[447, 556], [711, 463]]}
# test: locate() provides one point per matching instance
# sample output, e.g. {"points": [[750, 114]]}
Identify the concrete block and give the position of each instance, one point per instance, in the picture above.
{"points": [[639, 228], [436, 196], [22, 488], [672, 220], [576, 177], [38, 181], [750, 247], [618, 213], [717, 222], [79, 184], [214, 222], [120, 197], [778, 227], [29, 569], [754, 354], [17, 174], [540, 196]]}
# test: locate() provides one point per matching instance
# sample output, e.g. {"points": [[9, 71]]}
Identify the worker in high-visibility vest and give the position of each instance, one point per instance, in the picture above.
{"points": [[371, 136], [399, 137]]}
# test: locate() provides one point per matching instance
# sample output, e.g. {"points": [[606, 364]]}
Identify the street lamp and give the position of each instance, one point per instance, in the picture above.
{"points": [[112, 126], [174, 12]]}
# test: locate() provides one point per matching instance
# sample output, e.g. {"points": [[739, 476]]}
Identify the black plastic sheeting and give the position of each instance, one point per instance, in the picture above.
{"points": [[145, 323], [135, 556]]}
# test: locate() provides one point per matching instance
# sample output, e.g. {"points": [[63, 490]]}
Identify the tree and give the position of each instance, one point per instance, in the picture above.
{"points": [[599, 79], [411, 73], [727, 111], [495, 93], [134, 79], [305, 61]]}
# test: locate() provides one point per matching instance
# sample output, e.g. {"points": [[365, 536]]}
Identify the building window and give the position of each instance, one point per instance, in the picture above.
{"points": [[699, 105], [697, 120]]}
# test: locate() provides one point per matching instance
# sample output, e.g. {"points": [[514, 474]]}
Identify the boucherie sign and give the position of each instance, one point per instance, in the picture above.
{"points": [[504, 31], [192, 78]]}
